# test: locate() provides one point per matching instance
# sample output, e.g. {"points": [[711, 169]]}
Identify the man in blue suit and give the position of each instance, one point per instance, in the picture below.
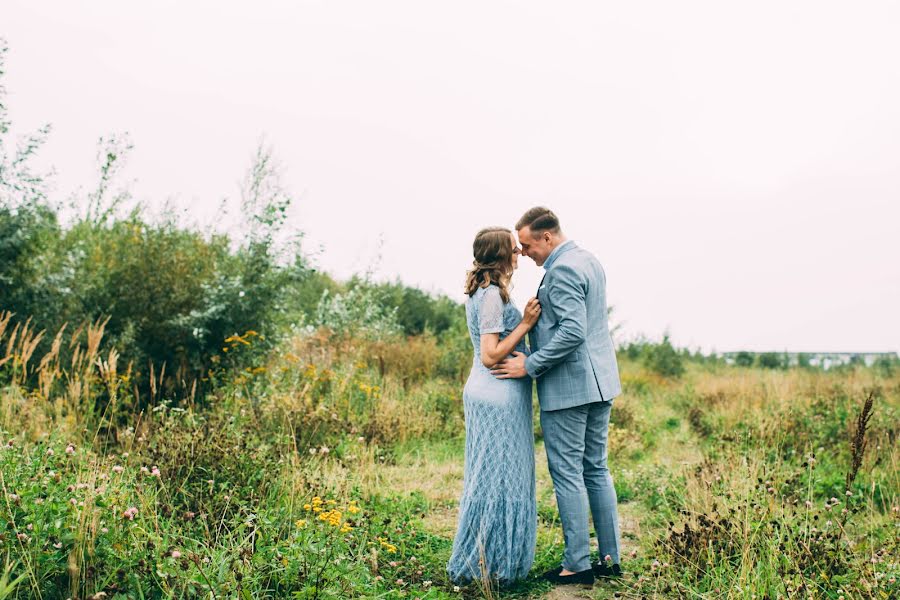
{"points": [[574, 363]]}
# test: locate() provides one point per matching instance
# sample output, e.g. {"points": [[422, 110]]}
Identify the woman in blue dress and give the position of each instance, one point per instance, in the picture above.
{"points": [[495, 537]]}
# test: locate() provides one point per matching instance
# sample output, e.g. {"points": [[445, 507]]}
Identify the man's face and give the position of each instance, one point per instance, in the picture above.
{"points": [[536, 248]]}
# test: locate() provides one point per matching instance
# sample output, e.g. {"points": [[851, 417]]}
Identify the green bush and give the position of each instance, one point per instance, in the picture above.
{"points": [[418, 311], [743, 359], [663, 359], [771, 360], [171, 294]]}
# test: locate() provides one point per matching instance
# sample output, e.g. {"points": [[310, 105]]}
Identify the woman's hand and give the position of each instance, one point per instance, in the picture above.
{"points": [[532, 312]]}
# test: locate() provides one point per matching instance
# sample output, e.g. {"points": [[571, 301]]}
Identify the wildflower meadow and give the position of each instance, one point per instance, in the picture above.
{"points": [[196, 414]]}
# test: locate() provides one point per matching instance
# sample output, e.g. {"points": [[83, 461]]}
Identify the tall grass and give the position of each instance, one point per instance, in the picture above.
{"points": [[104, 494], [280, 480], [782, 500]]}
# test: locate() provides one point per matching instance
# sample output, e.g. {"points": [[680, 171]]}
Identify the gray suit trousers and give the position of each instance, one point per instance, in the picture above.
{"points": [[575, 439]]}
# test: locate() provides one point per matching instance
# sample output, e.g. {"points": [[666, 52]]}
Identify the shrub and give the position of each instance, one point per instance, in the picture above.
{"points": [[771, 360], [418, 311], [743, 359], [170, 295], [663, 359], [356, 313], [885, 366]]}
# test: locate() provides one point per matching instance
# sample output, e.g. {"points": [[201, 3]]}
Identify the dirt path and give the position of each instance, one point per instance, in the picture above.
{"points": [[443, 486], [676, 448]]}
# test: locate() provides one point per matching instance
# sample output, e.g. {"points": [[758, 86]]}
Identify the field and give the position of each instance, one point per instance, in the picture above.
{"points": [[330, 466], [194, 413]]}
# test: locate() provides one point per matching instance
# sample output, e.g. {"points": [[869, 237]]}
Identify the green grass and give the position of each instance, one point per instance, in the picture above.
{"points": [[713, 471]]}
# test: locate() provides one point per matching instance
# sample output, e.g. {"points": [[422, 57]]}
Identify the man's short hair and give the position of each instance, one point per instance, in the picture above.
{"points": [[539, 219]]}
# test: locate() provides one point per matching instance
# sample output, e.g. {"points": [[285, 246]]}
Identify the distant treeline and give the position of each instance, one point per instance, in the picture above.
{"points": [[666, 360]]}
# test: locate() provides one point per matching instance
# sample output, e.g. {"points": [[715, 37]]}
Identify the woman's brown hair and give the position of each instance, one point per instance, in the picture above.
{"points": [[493, 253]]}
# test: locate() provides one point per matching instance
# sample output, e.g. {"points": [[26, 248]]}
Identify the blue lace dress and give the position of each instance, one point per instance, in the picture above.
{"points": [[497, 510]]}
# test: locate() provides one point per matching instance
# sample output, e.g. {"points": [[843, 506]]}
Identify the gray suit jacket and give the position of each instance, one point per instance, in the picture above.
{"points": [[572, 354]]}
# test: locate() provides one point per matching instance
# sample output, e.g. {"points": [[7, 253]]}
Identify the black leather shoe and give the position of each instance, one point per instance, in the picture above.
{"points": [[605, 570], [581, 578]]}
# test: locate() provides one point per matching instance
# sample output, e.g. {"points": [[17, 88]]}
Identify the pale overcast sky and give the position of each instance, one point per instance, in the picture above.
{"points": [[735, 166]]}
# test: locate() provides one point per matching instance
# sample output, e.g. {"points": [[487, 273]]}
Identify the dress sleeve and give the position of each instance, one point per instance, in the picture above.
{"points": [[490, 313]]}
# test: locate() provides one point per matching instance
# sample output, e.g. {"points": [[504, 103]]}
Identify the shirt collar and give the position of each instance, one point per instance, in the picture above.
{"points": [[552, 258]]}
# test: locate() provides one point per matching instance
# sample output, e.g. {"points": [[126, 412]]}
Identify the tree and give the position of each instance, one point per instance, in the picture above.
{"points": [[769, 360], [662, 358], [20, 184], [743, 359]]}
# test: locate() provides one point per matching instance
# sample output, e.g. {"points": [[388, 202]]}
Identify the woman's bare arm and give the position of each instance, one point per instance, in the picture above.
{"points": [[493, 349]]}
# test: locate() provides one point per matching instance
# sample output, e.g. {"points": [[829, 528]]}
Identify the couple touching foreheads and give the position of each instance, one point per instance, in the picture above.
{"points": [[574, 363]]}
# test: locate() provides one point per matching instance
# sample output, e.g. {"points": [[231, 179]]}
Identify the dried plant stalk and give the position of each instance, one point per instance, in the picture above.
{"points": [[858, 441]]}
